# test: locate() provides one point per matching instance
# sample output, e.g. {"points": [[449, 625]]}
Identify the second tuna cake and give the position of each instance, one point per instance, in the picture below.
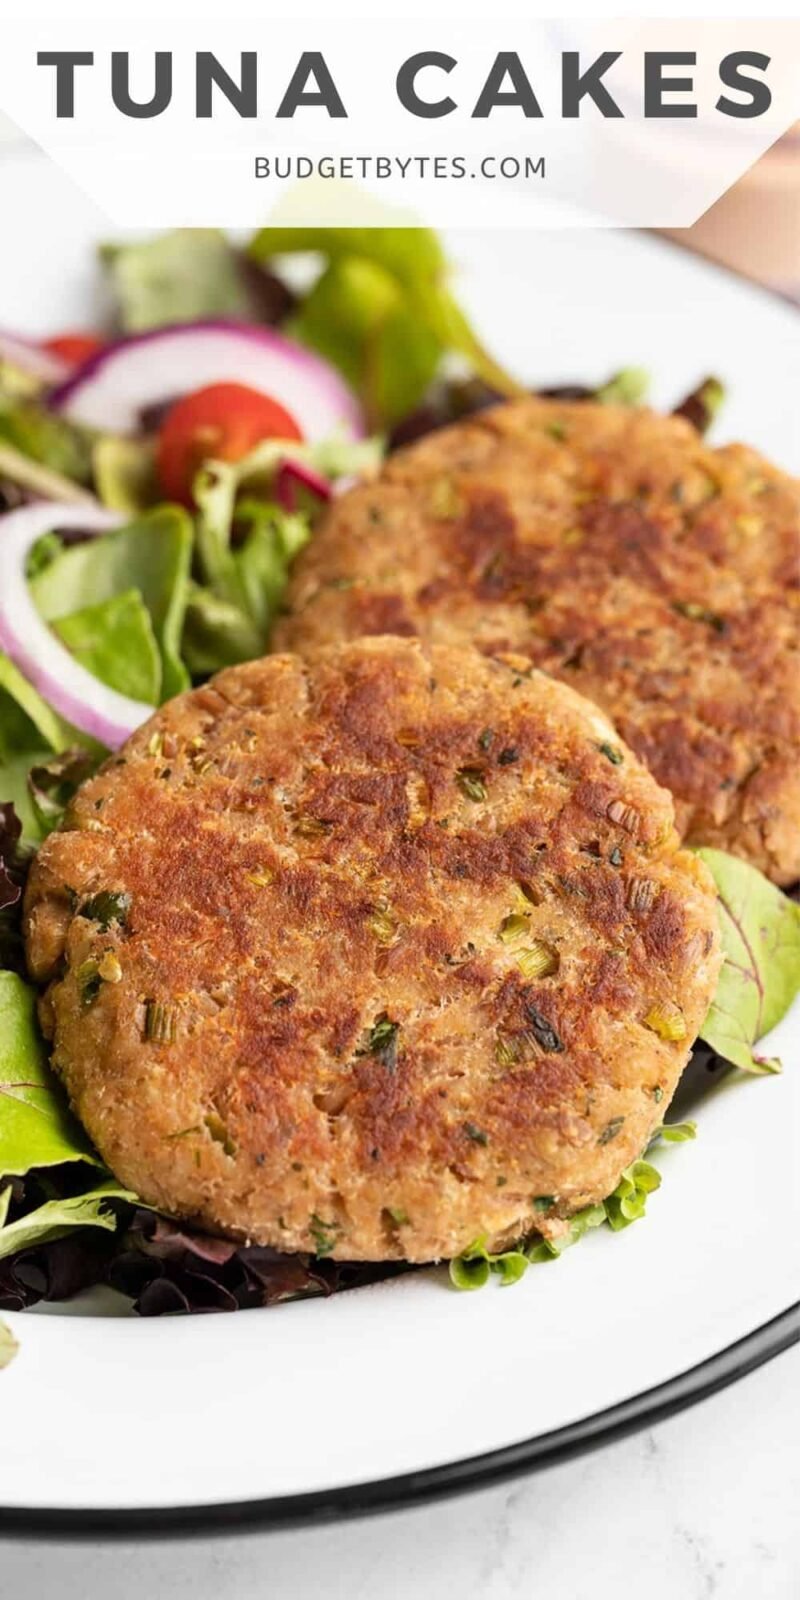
{"points": [[618, 552], [372, 954]]}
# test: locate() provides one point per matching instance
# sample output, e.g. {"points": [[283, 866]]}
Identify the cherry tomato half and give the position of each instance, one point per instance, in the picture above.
{"points": [[225, 421], [74, 348]]}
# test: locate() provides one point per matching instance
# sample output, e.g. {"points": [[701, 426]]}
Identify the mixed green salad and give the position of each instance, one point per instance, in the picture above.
{"points": [[157, 478]]}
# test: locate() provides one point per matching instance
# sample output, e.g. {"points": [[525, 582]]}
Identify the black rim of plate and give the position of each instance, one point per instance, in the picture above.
{"points": [[416, 1488]]}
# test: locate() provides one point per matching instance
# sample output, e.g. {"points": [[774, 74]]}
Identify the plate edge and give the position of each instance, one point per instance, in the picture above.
{"points": [[433, 1483]]}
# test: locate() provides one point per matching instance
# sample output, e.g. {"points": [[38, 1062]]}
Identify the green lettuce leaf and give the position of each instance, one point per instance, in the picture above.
{"points": [[56, 1218], [216, 634], [47, 438], [760, 976], [357, 316], [26, 720], [187, 275], [382, 311], [29, 732], [115, 641], [248, 579], [151, 555], [263, 559], [36, 1128]]}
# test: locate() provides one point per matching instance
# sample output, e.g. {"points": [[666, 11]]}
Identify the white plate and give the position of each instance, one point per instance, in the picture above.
{"points": [[113, 1422]]}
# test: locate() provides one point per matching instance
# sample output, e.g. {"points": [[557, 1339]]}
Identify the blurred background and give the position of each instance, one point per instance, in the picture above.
{"points": [[755, 227]]}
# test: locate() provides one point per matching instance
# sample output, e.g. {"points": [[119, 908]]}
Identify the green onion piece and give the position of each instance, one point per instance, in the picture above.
{"points": [[160, 1022], [539, 960], [667, 1020], [471, 783]]}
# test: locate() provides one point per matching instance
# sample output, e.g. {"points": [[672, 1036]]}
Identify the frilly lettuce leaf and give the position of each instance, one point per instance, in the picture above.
{"points": [[56, 1218], [187, 275], [36, 1129], [627, 1204], [760, 977]]}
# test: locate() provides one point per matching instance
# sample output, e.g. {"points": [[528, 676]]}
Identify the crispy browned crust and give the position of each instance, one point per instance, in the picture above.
{"points": [[617, 551], [311, 848]]}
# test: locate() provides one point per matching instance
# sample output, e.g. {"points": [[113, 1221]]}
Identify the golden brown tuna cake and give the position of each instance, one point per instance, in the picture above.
{"points": [[617, 551], [368, 955]]}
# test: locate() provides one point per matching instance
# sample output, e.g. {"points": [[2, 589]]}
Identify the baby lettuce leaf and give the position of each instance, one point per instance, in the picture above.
{"points": [[760, 977], [151, 555], [357, 316], [187, 275], [8, 1345], [382, 311], [29, 732], [56, 1218], [216, 633], [36, 1129], [249, 578], [26, 721], [273, 537], [115, 641]]}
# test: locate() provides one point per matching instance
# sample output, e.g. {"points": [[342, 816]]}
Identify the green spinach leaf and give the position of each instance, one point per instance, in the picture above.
{"points": [[760, 976]]}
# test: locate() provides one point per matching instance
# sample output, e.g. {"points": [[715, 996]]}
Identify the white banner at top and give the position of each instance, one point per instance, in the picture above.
{"points": [[172, 120]]}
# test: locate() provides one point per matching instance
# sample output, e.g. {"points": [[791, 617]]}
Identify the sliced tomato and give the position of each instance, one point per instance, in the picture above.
{"points": [[225, 421], [74, 348]]}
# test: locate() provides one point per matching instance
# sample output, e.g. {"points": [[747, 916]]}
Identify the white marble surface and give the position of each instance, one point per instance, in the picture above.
{"points": [[704, 1505]]}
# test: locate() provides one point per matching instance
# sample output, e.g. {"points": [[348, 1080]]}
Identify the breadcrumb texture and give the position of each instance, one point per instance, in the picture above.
{"points": [[658, 576], [391, 945]]}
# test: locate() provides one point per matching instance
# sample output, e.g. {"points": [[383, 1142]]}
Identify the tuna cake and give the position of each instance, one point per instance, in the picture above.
{"points": [[373, 954], [617, 551]]}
